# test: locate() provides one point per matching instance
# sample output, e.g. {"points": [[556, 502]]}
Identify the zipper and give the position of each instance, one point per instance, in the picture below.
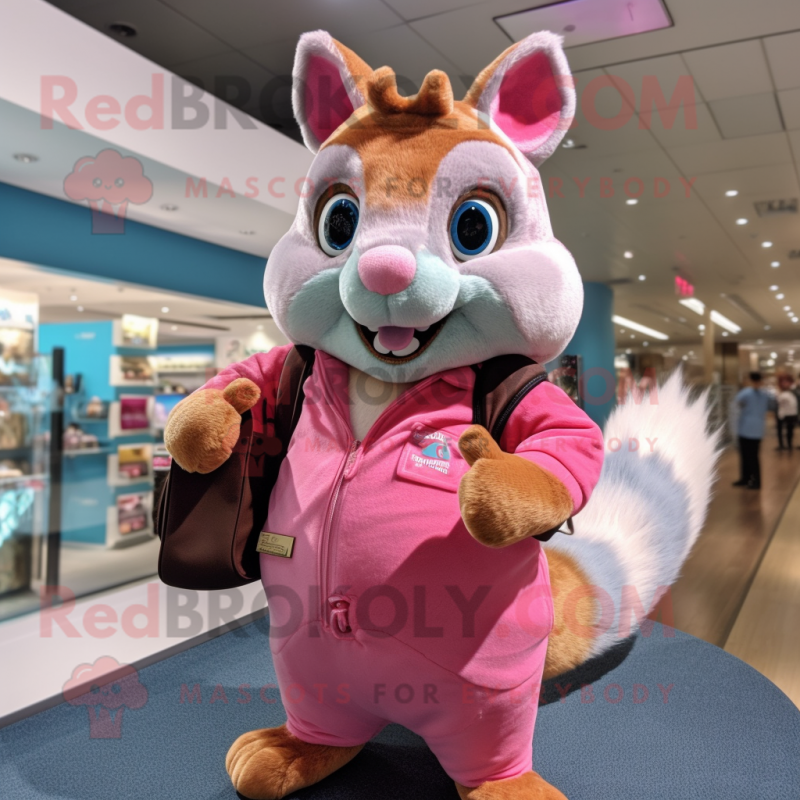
{"points": [[325, 540], [335, 609]]}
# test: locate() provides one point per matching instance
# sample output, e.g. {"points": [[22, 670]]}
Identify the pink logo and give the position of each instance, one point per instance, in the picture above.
{"points": [[108, 182], [106, 688]]}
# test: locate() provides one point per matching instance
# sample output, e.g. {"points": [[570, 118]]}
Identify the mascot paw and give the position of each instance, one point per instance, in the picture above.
{"points": [[530, 786], [505, 498], [202, 429], [270, 763]]}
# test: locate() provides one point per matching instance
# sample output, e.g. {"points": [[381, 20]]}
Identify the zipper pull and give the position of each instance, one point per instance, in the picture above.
{"points": [[351, 458]]}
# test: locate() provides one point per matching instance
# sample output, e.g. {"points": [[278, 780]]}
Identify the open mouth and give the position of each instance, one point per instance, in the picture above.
{"points": [[396, 345]]}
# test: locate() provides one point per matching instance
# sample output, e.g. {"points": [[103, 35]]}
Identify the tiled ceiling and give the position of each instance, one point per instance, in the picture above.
{"points": [[739, 129]]}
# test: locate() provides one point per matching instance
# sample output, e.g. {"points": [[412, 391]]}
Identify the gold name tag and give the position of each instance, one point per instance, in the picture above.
{"points": [[275, 544]]}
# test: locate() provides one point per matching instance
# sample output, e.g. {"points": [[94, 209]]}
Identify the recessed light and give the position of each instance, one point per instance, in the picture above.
{"points": [[248, 233], [122, 29], [780, 296], [774, 287], [628, 351], [787, 308], [725, 333], [173, 327], [741, 221], [684, 358], [165, 309], [731, 193], [633, 336], [73, 297], [645, 344], [775, 263], [628, 254], [701, 327], [773, 355], [80, 308], [766, 244], [794, 319], [643, 277], [169, 207], [26, 158], [259, 327], [767, 327], [631, 201]]}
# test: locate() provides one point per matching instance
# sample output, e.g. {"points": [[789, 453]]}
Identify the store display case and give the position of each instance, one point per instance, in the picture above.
{"points": [[25, 398]]}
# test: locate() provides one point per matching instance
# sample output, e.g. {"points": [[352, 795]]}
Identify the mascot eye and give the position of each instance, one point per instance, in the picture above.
{"points": [[474, 229], [337, 223]]}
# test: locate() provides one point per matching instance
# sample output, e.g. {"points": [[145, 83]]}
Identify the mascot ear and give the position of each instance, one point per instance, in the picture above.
{"points": [[327, 86], [529, 93]]}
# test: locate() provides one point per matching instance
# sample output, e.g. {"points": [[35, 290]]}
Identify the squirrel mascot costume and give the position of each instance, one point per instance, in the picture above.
{"points": [[418, 590]]}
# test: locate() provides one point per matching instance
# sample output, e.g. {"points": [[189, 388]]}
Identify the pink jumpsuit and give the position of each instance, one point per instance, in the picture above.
{"points": [[388, 610]]}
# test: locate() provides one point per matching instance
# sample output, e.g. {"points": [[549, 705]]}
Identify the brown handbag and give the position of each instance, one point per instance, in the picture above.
{"points": [[209, 525]]}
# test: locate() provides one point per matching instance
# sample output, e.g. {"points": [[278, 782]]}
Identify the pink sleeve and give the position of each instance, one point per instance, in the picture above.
{"points": [[550, 430], [264, 369]]}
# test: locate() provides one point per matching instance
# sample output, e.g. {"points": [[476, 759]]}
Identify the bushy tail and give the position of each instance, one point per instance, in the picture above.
{"points": [[648, 507]]}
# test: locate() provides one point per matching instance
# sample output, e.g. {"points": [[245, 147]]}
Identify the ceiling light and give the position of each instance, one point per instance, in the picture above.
{"points": [[169, 207], [637, 327], [684, 358], [631, 201], [794, 319], [766, 244], [787, 308], [701, 327], [80, 308], [731, 193], [775, 263], [73, 297], [724, 333], [780, 295], [259, 327], [628, 254], [774, 287], [741, 221], [692, 303], [629, 351], [724, 322], [173, 327], [568, 144], [646, 344], [165, 309], [26, 158], [632, 336], [643, 277], [773, 355], [767, 327]]}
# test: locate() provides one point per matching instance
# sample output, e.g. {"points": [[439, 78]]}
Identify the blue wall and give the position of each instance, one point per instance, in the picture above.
{"points": [[55, 233]]}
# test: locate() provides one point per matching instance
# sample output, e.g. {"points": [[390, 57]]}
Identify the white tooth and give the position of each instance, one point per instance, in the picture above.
{"points": [[422, 330], [409, 349], [379, 347], [374, 330]]}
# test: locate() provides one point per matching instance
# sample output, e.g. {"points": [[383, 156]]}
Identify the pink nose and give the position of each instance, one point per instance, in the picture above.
{"points": [[387, 269]]}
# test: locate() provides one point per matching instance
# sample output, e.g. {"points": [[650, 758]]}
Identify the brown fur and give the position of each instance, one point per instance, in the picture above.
{"points": [[576, 614], [473, 96], [505, 498], [402, 142], [434, 99], [202, 429], [530, 786], [270, 763], [359, 70]]}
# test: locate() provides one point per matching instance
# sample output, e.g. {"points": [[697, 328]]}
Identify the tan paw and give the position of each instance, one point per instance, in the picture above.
{"points": [[505, 498], [530, 786], [270, 763], [203, 428]]}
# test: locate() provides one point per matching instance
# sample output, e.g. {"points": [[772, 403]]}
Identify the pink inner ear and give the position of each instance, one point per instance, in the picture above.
{"points": [[327, 104], [528, 106]]}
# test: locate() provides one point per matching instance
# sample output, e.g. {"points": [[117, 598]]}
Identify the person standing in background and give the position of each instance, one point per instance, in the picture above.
{"points": [[787, 412], [753, 403]]}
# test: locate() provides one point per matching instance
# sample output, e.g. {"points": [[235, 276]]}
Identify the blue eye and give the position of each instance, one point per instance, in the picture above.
{"points": [[474, 229], [337, 223]]}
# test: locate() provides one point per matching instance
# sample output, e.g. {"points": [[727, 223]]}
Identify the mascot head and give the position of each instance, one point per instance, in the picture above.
{"points": [[423, 240]]}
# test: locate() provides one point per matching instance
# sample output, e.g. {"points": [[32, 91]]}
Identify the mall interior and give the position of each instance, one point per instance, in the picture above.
{"points": [[150, 161]]}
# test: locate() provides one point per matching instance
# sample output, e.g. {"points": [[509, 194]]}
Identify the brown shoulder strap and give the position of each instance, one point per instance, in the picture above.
{"points": [[290, 395], [501, 383]]}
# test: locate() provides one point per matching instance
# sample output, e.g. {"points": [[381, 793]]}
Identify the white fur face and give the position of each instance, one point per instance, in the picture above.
{"points": [[524, 297]]}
